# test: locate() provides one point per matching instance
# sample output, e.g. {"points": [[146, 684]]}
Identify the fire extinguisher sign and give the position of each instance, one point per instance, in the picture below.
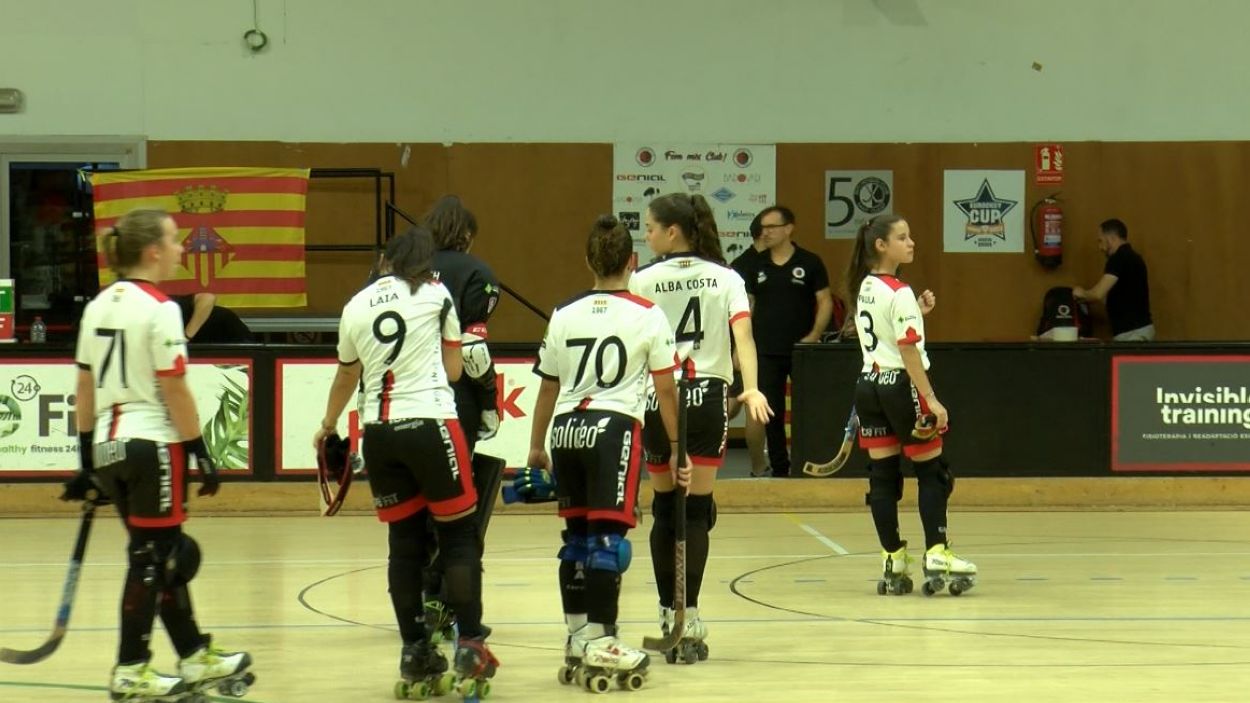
{"points": [[1049, 164]]}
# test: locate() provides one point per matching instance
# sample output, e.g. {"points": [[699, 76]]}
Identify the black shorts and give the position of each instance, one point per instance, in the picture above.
{"points": [[707, 427], [889, 408], [146, 480], [735, 387], [418, 463], [596, 456]]}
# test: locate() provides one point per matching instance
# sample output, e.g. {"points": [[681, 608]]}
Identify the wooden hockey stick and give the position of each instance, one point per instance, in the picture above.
{"points": [[670, 640], [844, 452]]}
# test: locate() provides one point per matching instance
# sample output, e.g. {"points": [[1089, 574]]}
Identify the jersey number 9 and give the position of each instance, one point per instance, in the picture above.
{"points": [[396, 338]]}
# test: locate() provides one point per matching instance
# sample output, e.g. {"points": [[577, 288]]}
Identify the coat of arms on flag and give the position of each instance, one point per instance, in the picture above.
{"points": [[242, 229]]}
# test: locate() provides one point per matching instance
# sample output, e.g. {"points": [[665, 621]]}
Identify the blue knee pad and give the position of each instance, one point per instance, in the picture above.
{"points": [[574, 549], [609, 552]]}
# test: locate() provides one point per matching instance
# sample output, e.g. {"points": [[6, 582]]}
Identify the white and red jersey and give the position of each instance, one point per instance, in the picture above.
{"points": [[398, 336], [131, 334], [887, 316], [701, 299], [600, 346]]}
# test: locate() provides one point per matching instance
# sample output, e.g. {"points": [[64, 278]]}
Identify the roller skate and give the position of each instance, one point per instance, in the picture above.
{"points": [[572, 669], [475, 666], [690, 648], [895, 576], [607, 658], [942, 566], [209, 667], [423, 672], [140, 682], [440, 622]]}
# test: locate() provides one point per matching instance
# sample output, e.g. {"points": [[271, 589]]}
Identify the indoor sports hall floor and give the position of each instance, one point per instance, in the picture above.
{"points": [[1071, 606]]}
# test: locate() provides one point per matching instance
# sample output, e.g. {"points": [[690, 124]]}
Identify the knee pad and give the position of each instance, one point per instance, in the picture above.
{"points": [[408, 538], [183, 561], [935, 473], [457, 538], [575, 547], [662, 510], [609, 552], [885, 481], [700, 510]]}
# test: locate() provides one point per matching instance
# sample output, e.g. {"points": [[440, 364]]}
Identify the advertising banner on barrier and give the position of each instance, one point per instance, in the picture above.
{"points": [[1180, 413], [38, 414], [303, 385]]}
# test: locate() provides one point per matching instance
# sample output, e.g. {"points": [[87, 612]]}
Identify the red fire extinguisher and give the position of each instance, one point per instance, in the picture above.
{"points": [[1047, 220]]}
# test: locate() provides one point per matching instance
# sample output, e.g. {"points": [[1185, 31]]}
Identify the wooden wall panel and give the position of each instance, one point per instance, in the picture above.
{"points": [[535, 203]]}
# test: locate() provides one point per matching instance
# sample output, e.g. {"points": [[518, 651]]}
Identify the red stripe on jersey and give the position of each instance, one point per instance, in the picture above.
{"points": [[585, 403], [634, 298], [739, 316], [687, 369], [399, 511], [451, 343], [152, 290], [894, 282], [388, 382], [477, 328], [468, 493], [117, 417], [911, 337], [179, 368]]}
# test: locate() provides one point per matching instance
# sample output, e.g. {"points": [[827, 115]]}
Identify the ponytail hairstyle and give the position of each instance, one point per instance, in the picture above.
{"points": [[133, 232], [609, 247], [864, 255], [410, 257], [452, 225], [693, 216]]}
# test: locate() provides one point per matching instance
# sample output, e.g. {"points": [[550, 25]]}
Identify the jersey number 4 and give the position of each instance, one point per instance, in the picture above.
{"points": [[690, 328], [600, 349]]}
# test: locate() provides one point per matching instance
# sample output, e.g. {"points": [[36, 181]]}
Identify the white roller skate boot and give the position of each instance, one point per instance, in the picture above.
{"points": [[573, 654], [895, 572], [138, 682], [209, 666], [606, 658], [942, 566]]}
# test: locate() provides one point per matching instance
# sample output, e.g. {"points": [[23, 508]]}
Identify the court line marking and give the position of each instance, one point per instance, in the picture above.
{"points": [[81, 687], [833, 546]]}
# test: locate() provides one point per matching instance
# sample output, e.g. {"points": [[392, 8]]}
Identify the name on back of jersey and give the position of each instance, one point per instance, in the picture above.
{"points": [[690, 284], [383, 298]]}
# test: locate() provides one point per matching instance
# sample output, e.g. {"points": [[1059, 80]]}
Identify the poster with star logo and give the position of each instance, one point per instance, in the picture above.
{"points": [[737, 180], [983, 212]]}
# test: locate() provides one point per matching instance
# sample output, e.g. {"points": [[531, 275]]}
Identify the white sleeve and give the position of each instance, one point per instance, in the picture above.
{"points": [[547, 365], [347, 346], [663, 355], [739, 303]]}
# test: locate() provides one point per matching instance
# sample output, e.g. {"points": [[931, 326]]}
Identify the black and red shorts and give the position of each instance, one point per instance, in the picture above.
{"points": [[889, 407], [418, 463], [707, 427], [146, 480], [596, 456]]}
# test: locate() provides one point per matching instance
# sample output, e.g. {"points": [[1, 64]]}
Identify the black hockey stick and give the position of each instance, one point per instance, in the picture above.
{"points": [[670, 640], [31, 656], [844, 452]]}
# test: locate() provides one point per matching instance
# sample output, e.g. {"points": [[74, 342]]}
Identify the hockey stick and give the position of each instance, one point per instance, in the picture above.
{"points": [[670, 640], [844, 452], [32, 656]]}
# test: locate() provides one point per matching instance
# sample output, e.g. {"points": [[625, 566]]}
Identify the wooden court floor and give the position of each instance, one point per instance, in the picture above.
{"points": [[1071, 606]]}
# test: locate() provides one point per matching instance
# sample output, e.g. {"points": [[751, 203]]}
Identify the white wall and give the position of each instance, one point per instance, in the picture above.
{"points": [[609, 70]]}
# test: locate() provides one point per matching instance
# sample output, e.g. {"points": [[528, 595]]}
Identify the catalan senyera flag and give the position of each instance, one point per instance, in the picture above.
{"points": [[242, 229]]}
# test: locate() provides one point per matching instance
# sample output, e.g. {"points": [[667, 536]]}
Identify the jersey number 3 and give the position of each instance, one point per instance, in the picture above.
{"points": [[873, 341]]}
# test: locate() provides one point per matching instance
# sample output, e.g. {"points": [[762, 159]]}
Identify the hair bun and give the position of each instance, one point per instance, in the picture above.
{"points": [[606, 222]]}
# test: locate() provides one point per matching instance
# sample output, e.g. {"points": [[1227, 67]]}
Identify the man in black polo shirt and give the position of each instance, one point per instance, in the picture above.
{"points": [[1123, 286], [791, 303]]}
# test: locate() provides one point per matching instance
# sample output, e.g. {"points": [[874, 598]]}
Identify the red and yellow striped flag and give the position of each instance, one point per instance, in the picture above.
{"points": [[242, 229]]}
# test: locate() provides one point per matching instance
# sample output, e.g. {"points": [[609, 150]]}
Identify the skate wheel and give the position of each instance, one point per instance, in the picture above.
{"points": [[928, 588], [907, 586], [690, 655], [632, 681], [401, 690], [566, 675], [956, 588], [598, 684], [881, 588], [237, 688], [443, 684], [483, 689], [671, 656], [702, 652]]}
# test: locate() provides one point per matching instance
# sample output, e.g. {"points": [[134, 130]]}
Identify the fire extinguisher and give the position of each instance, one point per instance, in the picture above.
{"points": [[1047, 219]]}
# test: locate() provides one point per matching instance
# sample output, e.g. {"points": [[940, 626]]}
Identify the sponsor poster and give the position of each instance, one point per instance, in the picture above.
{"points": [[983, 211], [851, 197], [38, 414], [303, 384], [738, 180], [1180, 413]]}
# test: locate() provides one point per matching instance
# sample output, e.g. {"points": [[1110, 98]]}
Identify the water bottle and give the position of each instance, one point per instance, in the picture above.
{"points": [[38, 331]]}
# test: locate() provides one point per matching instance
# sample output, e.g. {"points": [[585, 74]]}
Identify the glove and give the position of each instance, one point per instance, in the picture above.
{"points": [[198, 457], [490, 425], [530, 485], [81, 484]]}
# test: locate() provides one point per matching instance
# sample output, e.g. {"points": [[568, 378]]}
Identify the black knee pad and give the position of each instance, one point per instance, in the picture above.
{"points": [[154, 553], [885, 480], [662, 511], [183, 561], [408, 538], [935, 473], [457, 539], [699, 510]]}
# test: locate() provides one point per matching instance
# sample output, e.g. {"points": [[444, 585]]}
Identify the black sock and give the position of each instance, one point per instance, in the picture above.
{"points": [[405, 563], [138, 610], [603, 572], [935, 486], [179, 620], [885, 489], [663, 550], [573, 566], [462, 573], [698, 522]]}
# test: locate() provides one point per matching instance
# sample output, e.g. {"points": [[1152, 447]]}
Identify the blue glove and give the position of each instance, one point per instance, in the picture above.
{"points": [[530, 485]]}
